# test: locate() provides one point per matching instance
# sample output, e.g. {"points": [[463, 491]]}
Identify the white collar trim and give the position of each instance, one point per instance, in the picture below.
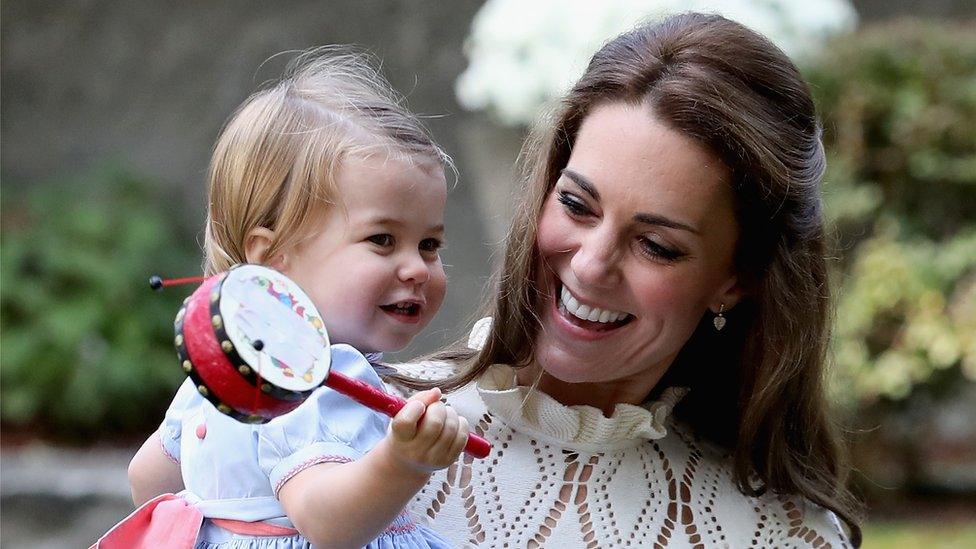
{"points": [[584, 426]]}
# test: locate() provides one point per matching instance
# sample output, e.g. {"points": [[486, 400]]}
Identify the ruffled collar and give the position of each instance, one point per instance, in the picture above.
{"points": [[582, 427]]}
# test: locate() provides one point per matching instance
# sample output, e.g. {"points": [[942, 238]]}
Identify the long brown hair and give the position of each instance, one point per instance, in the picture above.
{"points": [[758, 387]]}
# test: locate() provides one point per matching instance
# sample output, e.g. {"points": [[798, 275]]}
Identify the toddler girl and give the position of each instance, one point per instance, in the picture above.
{"points": [[327, 178]]}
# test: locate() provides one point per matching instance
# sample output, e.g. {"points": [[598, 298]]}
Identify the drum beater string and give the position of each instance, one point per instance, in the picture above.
{"points": [[157, 283]]}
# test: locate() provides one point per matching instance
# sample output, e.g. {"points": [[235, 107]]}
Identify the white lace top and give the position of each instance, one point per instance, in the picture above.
{"points": [[567, 477]]}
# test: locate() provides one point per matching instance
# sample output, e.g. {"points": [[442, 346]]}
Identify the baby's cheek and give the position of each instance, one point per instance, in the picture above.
{"points": [[437, 287], [342, 313], [336, 326]]}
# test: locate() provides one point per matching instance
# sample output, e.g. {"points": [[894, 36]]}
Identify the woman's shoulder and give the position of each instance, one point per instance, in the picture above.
{"points": [[770, 519]]}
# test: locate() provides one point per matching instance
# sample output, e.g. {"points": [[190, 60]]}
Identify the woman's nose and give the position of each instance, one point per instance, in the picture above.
{"points": [[413, 268], [595, 261]]}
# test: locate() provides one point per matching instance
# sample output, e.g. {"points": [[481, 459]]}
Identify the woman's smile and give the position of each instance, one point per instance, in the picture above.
{"points": [[635, 242], [583, 320]]}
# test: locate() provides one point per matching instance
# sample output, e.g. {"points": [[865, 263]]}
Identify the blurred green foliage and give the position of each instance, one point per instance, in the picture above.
{"points": [[915, 534], [86, 347], [899, 108]]}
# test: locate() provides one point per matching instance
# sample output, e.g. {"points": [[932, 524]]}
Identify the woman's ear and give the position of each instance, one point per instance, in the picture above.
{"points": [[256, 245], [730, 293]]}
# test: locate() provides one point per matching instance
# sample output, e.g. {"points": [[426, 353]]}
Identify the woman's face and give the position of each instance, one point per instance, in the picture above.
{"points": [[637, 237]]}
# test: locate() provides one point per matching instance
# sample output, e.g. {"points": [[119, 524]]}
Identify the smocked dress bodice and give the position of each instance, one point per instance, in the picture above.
{"points": [[233, 470]]}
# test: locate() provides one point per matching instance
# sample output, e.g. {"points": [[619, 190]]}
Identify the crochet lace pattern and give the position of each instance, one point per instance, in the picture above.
{"points": [[568, 477]]}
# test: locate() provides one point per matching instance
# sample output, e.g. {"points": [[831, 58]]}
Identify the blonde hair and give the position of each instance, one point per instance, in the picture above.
{"points": [[275, 161]]}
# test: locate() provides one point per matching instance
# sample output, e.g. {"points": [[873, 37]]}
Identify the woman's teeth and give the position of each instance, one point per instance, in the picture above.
{"points": [[584, 312]]}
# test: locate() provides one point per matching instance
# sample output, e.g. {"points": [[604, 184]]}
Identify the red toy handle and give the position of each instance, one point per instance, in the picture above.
{"points": [[388, 404]]}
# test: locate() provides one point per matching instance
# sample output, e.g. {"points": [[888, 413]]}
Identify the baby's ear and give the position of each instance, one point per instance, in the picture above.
{"points": [[256, 245]]}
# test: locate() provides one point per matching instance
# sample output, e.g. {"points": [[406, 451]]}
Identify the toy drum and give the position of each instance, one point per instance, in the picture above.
{"points": [[253, 343], [256, 347]]}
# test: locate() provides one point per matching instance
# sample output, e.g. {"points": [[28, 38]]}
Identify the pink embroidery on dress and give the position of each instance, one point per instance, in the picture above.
{"points": [[394, 528], [162, 447], [305, 465]]}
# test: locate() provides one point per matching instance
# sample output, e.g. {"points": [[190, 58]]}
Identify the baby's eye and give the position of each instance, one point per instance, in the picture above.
{"points": [[384, 240], [430, 245]]}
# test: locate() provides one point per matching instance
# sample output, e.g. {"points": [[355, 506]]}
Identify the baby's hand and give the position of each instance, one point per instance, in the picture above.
{"points": [[427, 434]]}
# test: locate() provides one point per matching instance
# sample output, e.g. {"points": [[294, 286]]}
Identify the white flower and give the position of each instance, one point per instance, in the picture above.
{"points": [[523, 54]]}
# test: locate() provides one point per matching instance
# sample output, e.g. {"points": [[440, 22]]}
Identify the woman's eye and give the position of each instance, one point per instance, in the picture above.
{"points": [[573, 205], [383, 240], [654, 250], [430, 245]]}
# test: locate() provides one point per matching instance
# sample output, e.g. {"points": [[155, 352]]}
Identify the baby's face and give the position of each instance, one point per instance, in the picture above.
{"points": [[372, 267]]}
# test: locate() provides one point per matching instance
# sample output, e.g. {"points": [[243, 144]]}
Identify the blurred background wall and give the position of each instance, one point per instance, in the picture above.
{"points": [[108, 113], [146, 87]]}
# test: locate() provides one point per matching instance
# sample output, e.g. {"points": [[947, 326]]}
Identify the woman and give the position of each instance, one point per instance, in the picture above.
{"points": [[670, 241]]}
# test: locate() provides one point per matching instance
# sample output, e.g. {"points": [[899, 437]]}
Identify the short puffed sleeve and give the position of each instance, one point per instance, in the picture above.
{"points": [[328, 427], [186, 400]]}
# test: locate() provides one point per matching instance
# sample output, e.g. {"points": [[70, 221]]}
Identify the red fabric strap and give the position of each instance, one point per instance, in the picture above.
{"points": [[164, 521]]}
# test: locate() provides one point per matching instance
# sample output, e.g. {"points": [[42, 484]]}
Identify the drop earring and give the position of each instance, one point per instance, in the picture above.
{"points": [[719, 320]]}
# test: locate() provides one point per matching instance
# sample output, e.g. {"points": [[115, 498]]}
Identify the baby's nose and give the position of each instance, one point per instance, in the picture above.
{"points": [[415, 269]]}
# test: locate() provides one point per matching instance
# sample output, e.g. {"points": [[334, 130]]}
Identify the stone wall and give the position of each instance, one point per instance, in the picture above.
{"points": [[148, 85]]}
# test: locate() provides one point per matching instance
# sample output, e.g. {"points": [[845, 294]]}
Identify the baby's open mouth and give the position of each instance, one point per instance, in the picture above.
{"points": [[402, 308]]}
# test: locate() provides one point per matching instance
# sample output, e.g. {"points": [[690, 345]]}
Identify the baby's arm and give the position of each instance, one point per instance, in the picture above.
{"points": [[350, 504], [152, 473]]}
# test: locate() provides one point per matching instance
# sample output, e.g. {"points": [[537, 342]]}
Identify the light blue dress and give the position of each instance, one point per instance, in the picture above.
{"points": [[233, 470]]}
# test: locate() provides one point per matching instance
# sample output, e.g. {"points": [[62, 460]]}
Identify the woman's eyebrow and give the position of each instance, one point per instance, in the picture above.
{"points": [[583, 183], [652, 219], [646, 218]]}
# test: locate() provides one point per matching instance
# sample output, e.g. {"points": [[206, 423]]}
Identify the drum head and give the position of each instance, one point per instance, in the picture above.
{"points": [[258, 303]]}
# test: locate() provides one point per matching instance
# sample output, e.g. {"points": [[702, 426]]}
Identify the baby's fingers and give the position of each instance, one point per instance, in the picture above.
{"points": [[449, 433], [461, 438], [404, 425], [427, 397], [432, 423]]}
